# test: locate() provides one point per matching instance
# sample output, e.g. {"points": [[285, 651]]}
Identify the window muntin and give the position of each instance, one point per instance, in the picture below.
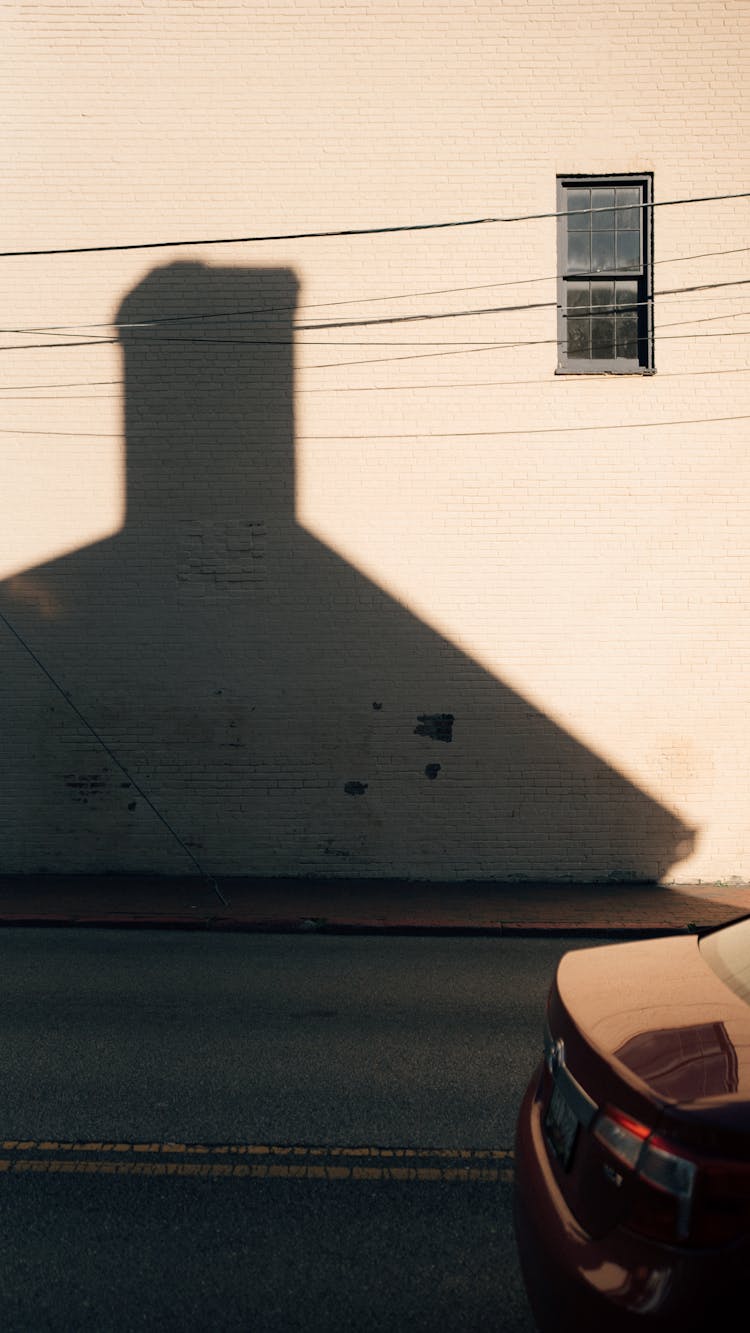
{"points": [[604, 288]]}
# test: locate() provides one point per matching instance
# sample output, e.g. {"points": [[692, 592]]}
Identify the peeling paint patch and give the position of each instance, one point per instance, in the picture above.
{"points": [[432, 770], [355, 788], [438, 726]]}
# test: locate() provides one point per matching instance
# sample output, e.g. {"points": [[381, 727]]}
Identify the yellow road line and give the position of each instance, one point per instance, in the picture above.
{"points": [[258, 1150], [253, 1161], [255, 1170]]}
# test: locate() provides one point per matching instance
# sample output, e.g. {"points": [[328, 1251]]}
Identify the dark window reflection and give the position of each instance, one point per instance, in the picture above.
{"points": [[579, 251], [603, 337], [684, 1063], [601, 202], [577, 200], [602, 319], [602, 251], [628, 249], [579, 338]]}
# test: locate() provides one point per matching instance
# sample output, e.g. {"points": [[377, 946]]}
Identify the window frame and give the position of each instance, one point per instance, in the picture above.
{"points": [[643, 364]]}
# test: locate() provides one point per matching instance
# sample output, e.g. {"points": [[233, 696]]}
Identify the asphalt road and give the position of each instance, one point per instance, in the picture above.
{"points": [[262, 1132]]}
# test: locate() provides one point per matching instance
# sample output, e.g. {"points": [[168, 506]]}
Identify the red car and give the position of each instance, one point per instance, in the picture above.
{"points": [[632, 1194]]}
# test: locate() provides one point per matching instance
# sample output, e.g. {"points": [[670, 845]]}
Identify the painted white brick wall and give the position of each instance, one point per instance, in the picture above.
{"points": [[259, 549]]}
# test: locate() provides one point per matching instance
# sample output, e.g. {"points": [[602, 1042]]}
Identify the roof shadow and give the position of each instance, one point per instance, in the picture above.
{"points": [[285, 714]]}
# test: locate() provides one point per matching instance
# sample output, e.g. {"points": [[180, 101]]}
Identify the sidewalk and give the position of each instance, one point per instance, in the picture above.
{"points": [[367, 906]]}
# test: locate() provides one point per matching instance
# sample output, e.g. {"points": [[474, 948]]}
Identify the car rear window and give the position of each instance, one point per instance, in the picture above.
{"points": [[727, 951]]}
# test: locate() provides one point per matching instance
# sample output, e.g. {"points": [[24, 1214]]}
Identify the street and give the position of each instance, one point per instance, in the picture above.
{"points": [[261, 1132]]}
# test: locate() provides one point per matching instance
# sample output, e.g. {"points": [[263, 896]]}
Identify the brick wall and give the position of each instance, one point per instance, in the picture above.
{"points": [[347, 592]]}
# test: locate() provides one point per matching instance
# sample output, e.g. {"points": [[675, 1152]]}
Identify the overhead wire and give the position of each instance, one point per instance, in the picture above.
{"points": [[533, 430], [398, 319], [534, 342], [457, 348], [72, 328], [410, 319], [309, 342], [369, 231], [11, 396], [441, 435]]}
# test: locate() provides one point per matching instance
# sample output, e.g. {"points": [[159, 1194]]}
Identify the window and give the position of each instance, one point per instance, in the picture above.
{"points": [[605, 297]]}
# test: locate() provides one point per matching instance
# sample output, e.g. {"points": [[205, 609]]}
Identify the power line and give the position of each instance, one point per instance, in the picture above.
{"points": [[60, 398], [435, 435], [466, 351], [68, 331], [457, 349], [365, 231], [70, 384], [534, 430], [10, 390], [436, 385], [309, 328], [352, 300], [308, 342]]}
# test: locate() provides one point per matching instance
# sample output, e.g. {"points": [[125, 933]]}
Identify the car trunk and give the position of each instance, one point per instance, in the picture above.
{"points": [[649, 1051]]}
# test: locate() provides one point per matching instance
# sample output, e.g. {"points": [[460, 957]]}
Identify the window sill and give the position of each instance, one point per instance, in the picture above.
{"points": [[566, 373]]}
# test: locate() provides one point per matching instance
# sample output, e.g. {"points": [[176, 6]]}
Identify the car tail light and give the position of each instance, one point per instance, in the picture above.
{"points": [[675, 1197], [623, 1136], [663, 1179]]}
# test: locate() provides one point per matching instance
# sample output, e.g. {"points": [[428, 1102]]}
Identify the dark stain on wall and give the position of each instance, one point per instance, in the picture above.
{"points": [[355, 788], [438, 726], [432, 770]]}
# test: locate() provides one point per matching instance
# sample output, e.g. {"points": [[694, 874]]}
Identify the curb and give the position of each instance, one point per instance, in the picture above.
{"points": [[315, 926]]}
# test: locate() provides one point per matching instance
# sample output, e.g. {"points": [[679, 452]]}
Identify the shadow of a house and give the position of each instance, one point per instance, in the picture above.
{"points": [[286, 715]]}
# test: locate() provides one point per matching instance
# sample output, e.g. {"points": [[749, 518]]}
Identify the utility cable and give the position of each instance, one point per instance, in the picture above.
{"points": [[359, 300], [349, 342], [466, 351], [418, 435], [12, 395], [456, 348], [366, 231], [69, 331], [534, 430], [207, 879], [161, 339]]}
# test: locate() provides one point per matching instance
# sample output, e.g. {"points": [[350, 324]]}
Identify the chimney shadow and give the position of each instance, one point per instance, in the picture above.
{"points": [[284, 713]]}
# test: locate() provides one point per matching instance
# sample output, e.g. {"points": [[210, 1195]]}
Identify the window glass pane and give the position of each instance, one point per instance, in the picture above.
{"points": [[603, 337], [628, 249], [579, 252], [578, 297], [579, 338], [602, 199], [602, 294], [577, 199], [628, 219], [627, 335], [602, 251], [626, 293]]}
